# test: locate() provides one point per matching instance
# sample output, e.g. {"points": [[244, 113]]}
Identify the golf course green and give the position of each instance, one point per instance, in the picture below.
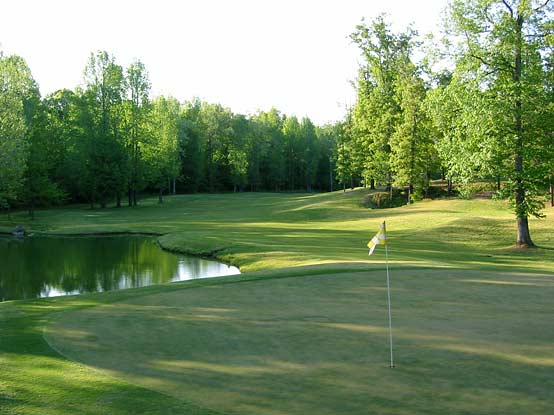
{"points": [[304, 329]]}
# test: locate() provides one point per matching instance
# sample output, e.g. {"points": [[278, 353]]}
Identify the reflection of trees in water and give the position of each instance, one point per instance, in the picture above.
{"points": [[38, 266]]}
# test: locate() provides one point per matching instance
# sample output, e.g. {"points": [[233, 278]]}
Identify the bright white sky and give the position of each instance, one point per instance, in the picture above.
{"points": [[294, 55]]}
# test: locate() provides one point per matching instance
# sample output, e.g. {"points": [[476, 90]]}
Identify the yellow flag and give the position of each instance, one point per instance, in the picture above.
{"points": [[380, 238]]}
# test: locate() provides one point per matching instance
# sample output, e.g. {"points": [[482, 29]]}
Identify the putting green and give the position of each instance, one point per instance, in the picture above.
{"points": [[466, 342]]}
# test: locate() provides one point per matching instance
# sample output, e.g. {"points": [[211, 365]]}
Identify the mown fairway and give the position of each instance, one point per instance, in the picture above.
{"points": [[473, 318]]}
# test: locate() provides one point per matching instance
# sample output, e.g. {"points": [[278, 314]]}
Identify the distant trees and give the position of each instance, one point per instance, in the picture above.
{"points": [[108, 139]]}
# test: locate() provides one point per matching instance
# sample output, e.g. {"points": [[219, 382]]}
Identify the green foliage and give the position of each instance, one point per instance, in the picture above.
{"points": [[499, 90], [16, 90]]}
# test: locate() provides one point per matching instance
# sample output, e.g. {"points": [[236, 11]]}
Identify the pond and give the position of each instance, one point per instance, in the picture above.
{"points": [[41, 266]]}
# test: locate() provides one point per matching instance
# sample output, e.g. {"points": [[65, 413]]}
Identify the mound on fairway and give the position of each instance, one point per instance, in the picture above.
{"points": [[466, 342]]}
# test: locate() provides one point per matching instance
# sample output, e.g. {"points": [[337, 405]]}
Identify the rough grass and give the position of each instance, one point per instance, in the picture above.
{"points": [[474, 332]]}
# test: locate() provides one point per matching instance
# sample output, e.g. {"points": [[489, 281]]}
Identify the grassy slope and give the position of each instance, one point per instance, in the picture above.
{"points": [[261, 232]]}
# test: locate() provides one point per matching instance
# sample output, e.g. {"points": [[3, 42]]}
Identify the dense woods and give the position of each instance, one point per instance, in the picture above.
{"points": [[477, 104], [108, 141]]}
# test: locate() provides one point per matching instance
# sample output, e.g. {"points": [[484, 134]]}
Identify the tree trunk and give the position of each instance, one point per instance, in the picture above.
{"points": [[130, 195], [351, 182], [523, 236], [160, 196], [449, 187], [498, 183], [174, 191], [551, 193], [118, 199], [330, 174], [343, 187], [134, 197], [372, 184]]}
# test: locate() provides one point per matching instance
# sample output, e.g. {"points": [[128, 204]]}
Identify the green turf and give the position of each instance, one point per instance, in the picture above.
{"points": [[466, 341], [474, 332]]}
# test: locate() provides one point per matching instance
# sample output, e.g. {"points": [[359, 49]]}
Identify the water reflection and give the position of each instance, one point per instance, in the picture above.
{"points": [[52, 266]]}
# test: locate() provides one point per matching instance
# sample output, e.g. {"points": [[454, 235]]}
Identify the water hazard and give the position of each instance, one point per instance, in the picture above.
{"points": [[41, 266]]}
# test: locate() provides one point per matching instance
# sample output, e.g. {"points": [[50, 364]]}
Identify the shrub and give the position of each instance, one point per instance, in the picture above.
{"points": [[382, 200]]}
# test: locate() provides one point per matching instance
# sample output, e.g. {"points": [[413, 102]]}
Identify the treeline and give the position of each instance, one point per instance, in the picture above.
{"points": [[479, 104], [107, 141]]}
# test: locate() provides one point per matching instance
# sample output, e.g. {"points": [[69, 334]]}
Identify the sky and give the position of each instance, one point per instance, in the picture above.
{"points": [[248, 55]]}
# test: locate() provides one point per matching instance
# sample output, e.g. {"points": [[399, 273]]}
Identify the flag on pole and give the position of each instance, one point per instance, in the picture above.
{"points": [[380, 238]]}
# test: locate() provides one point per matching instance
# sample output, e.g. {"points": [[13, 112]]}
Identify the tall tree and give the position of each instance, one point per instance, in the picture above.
{"points": [[137, 105], [161, 152], [237, 155], [410, 142], [106, 153], [16, 85], [503, 53], [377, 111], [310, 153], [192, 155]]}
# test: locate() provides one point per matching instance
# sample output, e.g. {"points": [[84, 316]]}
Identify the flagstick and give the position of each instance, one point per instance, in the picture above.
{"points": [[390, 314]]}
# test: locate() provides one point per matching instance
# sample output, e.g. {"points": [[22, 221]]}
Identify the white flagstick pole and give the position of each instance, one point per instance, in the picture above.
{"points": [[388, 292]]}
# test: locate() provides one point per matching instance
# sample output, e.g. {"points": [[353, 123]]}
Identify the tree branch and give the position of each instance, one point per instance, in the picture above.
{"points": [[509, 8], [542, 7]]}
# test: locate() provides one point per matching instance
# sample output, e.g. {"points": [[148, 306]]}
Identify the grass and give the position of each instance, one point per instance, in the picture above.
{"points": [[472, 315], [269, 231]]}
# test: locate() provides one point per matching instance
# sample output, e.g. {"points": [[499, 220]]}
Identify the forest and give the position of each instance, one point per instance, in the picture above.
{"points": [[476, 104]]}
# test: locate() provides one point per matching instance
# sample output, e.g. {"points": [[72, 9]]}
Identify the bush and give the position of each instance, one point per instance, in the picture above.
{"points": [[382, 200], [469, 190]]}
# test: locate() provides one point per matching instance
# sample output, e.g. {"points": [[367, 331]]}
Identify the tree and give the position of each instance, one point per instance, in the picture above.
{"points": [[410, 142], [237, 155], [15, 85], [347, 149], [45, 155], [138, 107], [106, 151], [310, 153], [292, 134], [503, 52], [190, 139], [217, 132], [161, 152], [377, 111]]}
